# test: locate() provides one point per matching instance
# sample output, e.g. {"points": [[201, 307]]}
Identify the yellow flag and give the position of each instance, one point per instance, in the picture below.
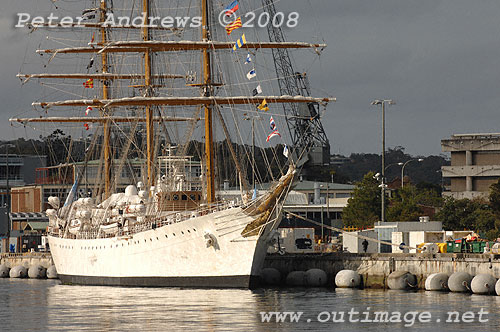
{"points": [[263, 106]]}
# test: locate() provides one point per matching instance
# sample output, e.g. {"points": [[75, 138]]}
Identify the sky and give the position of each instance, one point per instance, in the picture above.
{"points": [[439, 60]]}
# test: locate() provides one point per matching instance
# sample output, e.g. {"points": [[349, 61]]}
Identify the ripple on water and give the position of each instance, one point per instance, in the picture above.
{"points": [[46, 305]]}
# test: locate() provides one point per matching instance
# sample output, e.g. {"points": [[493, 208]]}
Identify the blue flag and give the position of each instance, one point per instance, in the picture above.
{"points": [[72, 193]]}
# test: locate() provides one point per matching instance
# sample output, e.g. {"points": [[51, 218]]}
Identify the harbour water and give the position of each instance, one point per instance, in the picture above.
{"points": [[46, 305]]}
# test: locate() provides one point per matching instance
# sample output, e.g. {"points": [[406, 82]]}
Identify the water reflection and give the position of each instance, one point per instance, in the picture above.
{"points": [[48, 306], [110, 308]]}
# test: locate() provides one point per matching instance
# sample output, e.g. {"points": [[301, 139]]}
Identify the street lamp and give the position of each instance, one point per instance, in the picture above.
{"points": [[399, 164], [394, 164], [382, 102], [403, 169]]}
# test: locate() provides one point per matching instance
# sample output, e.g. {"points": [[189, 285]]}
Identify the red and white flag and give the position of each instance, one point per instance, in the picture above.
{"points": [[271, 135], [272, 124], [87, 111]]}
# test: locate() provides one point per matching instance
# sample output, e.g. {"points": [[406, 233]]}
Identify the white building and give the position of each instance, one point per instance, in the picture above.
{"points": [[402, 231], [354, 244]]}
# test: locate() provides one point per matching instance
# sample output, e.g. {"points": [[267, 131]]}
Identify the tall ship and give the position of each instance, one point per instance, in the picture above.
{"points": [[152, 81]]}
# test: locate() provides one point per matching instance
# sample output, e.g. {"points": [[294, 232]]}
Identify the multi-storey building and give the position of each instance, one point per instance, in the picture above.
{"points": [[21, 171], [475, 164]]}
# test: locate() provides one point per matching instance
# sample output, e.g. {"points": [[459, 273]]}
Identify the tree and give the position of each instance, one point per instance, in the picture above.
{"points": [[404, 205], [459, 214], [407, 203], [363, 208], [361, 163], [494, 199]]}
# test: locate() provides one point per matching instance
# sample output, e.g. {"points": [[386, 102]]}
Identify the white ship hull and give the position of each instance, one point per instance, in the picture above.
{"points": [[172, 255]]}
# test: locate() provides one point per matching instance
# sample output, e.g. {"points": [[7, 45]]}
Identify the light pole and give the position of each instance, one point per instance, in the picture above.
{"points": [[382, 102], [403, 169], [393, 164], [399, 164]]}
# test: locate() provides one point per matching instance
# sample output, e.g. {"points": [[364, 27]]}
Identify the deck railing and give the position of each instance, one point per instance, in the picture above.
{"points": [[149, 222]]}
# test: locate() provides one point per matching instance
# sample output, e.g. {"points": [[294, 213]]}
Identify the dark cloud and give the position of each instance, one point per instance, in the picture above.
{"points": [[438, 59]]}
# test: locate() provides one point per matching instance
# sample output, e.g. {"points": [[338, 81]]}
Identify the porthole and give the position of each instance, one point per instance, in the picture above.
{"points": [[173, 234], [182, 232], [157, 238], [166, 236], [175, 197], [189, 231]]}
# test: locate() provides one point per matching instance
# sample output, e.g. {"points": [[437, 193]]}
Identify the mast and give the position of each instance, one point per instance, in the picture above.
{"points": [[146, 47], [209, 149], [105, 95], [147, 87]]}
